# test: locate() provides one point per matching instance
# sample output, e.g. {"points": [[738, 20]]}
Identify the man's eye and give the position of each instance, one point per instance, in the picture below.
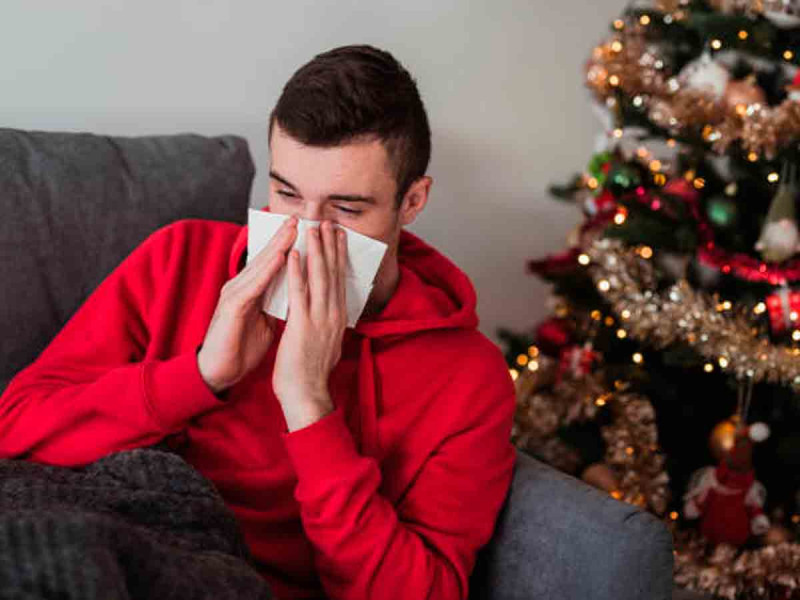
{"points": [[287, 194], [347, 210]]}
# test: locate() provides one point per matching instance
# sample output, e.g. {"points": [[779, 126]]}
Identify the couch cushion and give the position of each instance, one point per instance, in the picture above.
{"points": [[558, 537], [74, 205]]}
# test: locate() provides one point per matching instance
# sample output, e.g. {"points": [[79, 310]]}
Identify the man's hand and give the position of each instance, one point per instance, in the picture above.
{"points": [[311, 344], [240, 333]]}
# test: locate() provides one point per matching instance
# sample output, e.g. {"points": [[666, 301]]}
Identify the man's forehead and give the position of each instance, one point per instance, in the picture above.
{"points": [[362, 162]]}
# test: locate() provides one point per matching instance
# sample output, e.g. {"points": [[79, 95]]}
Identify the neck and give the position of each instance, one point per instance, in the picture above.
{"points": [[385, 286]]}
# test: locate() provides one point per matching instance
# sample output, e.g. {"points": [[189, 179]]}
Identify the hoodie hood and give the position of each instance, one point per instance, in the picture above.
{"points": [[431, 293]]}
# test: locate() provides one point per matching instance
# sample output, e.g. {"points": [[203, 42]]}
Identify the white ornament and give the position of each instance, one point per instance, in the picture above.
{"points": [[779, 240], [784, 14], [705, 73]]}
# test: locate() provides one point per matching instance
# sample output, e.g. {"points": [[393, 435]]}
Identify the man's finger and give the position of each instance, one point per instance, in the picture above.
{"points": [[317, 273], [296, 284]]}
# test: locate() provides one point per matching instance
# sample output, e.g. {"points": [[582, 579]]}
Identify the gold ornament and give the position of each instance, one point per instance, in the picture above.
{"points": [[741, 93], [777, 534], [722, 437]]}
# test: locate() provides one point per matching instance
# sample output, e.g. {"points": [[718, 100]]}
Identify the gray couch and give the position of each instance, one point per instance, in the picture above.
{"points": [[75, 204]]}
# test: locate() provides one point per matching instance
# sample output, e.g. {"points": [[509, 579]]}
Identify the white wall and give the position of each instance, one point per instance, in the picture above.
{"points": [[502, 82]]}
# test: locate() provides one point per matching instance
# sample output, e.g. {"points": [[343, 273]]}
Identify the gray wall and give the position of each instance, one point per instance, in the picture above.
{"points": [[502, 82]]}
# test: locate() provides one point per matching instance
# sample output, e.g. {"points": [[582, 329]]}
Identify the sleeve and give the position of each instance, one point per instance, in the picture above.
{"points": [[90, 393], [365, 548]]}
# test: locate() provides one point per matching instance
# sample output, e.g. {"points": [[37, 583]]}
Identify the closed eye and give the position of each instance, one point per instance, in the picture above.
{"points": [[341, 208]]}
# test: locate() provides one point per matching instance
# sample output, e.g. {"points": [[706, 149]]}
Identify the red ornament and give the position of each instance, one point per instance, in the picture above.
{"points": [[780, 307], [552, 335], [576, 361]]}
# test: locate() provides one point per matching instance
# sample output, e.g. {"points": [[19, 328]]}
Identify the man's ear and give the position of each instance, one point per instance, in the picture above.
{"points": [[415, 199]]}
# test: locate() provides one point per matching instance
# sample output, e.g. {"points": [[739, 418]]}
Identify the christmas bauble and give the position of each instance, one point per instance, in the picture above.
{"points": [[777, 535], [704, 73], [722, 438], [722, 212], [600, 476], [779, 240], [622, 178], [743, 93]]}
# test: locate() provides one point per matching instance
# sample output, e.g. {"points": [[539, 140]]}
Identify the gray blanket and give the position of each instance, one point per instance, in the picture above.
{"points": [[135, 524]]}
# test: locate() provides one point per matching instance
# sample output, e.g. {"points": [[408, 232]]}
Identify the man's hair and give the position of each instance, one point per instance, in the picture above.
{"points": [[358, 91]]}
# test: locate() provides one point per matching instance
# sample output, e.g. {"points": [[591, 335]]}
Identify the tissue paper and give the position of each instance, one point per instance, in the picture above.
{"points": [[364, 256]]}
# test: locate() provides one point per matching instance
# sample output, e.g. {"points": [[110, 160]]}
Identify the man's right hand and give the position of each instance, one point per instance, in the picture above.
{"points": [[240, 333]]}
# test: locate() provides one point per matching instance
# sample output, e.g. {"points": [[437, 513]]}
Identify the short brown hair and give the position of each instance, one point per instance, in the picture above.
{"points": [[354, 91]]}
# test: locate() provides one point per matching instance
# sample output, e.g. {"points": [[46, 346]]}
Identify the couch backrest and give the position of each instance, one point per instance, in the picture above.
{"points": [[74, 205]]}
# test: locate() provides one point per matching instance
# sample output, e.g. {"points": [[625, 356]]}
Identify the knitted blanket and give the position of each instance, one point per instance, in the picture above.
{"points": [[136, 524]]}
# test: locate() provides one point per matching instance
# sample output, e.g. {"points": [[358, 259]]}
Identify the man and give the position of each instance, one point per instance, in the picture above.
{"points": [[361, 463]]}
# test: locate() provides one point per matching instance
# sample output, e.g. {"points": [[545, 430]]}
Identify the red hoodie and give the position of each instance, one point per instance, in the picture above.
{"points": [[389, 496]]}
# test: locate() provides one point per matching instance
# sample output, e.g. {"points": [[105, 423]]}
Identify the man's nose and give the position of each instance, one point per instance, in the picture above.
{"points": [[311, 212]]}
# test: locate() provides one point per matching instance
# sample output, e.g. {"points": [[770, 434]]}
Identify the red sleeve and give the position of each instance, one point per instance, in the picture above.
{"points": [[365, 547], [88, 393]]}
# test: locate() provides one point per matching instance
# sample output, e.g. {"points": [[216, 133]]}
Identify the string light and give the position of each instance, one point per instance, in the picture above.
{"points": [[646, 252], [644, 20], [752, 157], [592, 183], [596, 315], [673, 515], [699, 183], [655, 165], [609, 321], [796, 335], [723, 362], [603, 285], [619, 24], [584, 259], [616, 46], [621, 215], [660, 178], [788, 55], [708, 367], [716, 44], [617, 132], [514, 374], [671, 143], [742, 35], [773, 177], [625, 314], [533, 351], [533, 365], [614, 81], [522, 360], [622, 334], [638, 358]]}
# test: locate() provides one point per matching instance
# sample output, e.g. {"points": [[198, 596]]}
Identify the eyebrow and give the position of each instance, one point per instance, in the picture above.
{"points": [[344, 197]]}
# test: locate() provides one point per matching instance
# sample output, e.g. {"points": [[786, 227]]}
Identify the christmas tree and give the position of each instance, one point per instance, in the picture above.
{"points": [[669, 373]]}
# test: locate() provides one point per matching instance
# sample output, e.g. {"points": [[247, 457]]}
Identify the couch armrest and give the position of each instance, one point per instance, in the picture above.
{"points": [[558, 537]]}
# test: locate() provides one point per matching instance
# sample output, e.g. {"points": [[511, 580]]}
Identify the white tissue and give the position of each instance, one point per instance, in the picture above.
{"points": [[364, 256]]}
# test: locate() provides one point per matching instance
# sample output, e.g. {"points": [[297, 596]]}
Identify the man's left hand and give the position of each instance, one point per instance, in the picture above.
{"points": [[311, 344]]}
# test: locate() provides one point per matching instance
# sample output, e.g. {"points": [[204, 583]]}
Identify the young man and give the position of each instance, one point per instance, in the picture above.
{"points": [[361, 463]]}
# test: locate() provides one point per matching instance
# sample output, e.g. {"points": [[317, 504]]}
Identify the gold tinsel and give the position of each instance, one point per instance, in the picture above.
{"points": [[729, 572], [682, 314], [631, 438], [627, 62]]}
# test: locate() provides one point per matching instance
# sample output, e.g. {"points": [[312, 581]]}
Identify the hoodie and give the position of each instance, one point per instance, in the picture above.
{"points": [[389, 496]]}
